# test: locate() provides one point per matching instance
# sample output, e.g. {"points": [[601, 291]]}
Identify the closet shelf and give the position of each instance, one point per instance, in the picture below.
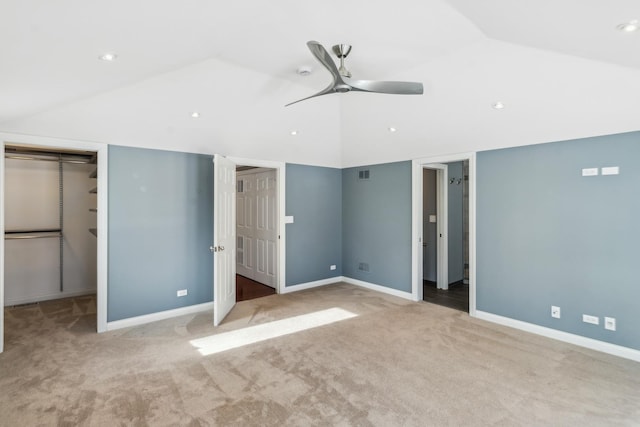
{"points": [[94, 190], [94, 231], [94, 174], [93, 210]]}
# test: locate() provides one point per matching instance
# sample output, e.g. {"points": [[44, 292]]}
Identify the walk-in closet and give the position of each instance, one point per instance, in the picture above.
{"points": [[50, 224]]}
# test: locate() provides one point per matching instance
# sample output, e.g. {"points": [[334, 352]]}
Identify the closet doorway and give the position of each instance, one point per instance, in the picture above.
{"points": [[256, 232], [445, 231], [432, 259], [53, 254]]}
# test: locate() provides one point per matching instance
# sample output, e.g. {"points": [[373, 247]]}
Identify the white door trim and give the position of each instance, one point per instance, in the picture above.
{"points": [[280, 168], [416, 223], [442, 223], [102, 219]]}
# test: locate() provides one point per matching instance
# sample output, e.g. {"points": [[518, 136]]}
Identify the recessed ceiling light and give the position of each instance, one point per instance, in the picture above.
{"points": [[195, 115], [109, 57], [629, 27], [498, 105], [294, 132], [304, 70], [392, 129]]}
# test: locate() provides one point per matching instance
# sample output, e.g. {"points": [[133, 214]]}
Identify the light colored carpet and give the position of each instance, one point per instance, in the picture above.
{"points": [[397, 363]]}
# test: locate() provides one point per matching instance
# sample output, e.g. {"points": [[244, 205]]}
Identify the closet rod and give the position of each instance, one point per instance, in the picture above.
{"points": [[32, 234], [43, 159]]}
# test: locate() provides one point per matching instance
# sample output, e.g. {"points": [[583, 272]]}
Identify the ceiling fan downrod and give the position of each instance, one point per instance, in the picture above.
{"points": [[342, 51]]}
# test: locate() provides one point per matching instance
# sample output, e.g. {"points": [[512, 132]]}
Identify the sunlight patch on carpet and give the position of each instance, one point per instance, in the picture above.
{"points": [[253, 334]]}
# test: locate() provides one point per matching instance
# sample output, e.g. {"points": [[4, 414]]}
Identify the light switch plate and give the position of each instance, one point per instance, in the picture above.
{"points": [[288, 219], [590, 319], [432, 218], [612, 170], [590, 172]]}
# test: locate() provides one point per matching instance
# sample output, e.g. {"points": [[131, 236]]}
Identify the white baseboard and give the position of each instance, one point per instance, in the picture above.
{"points": [[57, 295], [356, 282], [605, 347], [309, 285], [154, 317], [379, 288]]}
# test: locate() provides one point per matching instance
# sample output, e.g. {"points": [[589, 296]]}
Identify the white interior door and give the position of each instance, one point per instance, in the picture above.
{"points": [[224, 238], [266, 231], [245, 222]]}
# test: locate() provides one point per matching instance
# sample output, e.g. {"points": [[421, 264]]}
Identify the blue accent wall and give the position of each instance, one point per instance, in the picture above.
{"points": [[377, 224], [160, 230], [548, 236], [314, 199]]}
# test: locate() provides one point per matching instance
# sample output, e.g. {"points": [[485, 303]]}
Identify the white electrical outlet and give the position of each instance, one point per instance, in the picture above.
{"points": [[591, 319], [610, 323], [555, 311], [182, 292], [332, 267]]}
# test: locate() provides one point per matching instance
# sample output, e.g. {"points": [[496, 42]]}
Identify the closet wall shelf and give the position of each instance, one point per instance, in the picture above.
{"points": [[32, 234], [93, 210], [94, 174], [93, 190], [94, 231]]}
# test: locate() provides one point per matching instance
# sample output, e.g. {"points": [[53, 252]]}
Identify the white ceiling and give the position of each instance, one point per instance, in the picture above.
{"points": [[560, 67]]}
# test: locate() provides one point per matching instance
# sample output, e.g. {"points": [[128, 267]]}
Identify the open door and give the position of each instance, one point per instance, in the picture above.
{"points": [[224, 237]]}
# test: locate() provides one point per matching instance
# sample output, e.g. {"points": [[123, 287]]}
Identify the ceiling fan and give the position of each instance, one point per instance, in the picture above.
{"points": [[342, 82]]}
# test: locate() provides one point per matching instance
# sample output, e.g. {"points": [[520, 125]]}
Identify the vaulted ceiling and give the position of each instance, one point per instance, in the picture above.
{"points": [[561, 68]]}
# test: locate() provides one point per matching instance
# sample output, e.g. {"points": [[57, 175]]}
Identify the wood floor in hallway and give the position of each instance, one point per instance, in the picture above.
{"points": [[247, 289], [457, 296]]}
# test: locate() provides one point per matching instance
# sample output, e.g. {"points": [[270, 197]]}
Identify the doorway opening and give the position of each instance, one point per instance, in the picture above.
{"points": [[443, 266], [256, 232], [52, 255], [225, 242], [446, 228]]}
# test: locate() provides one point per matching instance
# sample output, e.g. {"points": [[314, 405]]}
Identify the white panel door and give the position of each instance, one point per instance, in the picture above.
{"points": [[245, 218], [224, 238], [266, 231]]}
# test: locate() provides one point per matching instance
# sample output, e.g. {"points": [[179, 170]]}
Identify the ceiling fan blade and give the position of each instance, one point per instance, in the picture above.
{"points": [[395, 88], [326, 91], [323, 56]]}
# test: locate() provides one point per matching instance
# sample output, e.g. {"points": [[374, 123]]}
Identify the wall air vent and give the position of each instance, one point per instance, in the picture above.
{"points": [[363, 175], [363, 266]]}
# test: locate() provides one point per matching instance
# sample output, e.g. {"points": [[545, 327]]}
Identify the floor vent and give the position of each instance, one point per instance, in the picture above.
{"points": [[363, 266]]}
